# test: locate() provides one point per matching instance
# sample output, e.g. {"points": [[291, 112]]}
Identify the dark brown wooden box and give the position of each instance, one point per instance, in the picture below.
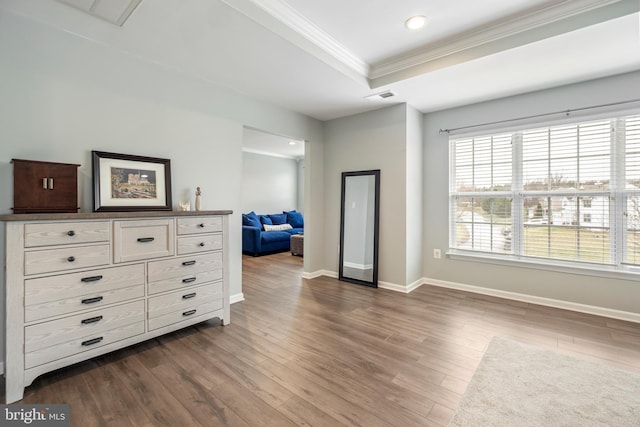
{"points": [[44, 187]]}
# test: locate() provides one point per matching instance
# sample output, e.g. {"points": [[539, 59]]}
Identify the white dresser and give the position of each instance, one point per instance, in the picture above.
{"points": [[81, 285]]}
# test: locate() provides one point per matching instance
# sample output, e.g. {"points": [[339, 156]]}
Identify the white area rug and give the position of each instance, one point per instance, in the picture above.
{"points": [[522, 385]]}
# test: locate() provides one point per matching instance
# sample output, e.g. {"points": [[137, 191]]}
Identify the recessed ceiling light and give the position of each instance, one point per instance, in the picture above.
{"points": [[292, 143], [415, 22]]}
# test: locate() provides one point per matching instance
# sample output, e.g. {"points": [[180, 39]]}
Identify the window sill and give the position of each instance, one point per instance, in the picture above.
{"points": [[586, 269]]}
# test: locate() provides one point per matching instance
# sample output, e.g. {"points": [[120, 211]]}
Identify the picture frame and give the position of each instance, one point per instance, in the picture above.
{"points": [[126, 183]]}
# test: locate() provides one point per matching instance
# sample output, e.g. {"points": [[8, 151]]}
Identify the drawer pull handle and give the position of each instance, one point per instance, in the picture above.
{"points": [[44, 183], [201, 244], [189, 280], [188, 263], [71, 233], [92, 320], [187, 296], [71, 259], [91, 279], [201, 225], [91, 300], [92, 341], [145, 239], [189, 313]]}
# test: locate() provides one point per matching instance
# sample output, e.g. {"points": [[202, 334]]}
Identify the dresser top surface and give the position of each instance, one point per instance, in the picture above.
{"points": [[107, 215]]}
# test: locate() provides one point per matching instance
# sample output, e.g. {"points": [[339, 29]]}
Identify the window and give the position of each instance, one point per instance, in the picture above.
{"points": [[569, 193]]}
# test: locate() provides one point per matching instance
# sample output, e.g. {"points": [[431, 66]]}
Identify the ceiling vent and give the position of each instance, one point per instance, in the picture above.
{"points": [[382, 95], [114, 11]]}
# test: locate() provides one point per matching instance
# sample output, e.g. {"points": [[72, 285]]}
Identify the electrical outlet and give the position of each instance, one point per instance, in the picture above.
{"points": [[437, 254]]}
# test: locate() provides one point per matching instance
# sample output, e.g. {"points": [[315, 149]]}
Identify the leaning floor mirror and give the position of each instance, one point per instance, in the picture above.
{"points": [[360, 206]]}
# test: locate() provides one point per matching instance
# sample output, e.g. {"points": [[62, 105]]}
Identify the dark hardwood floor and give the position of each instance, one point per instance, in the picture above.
{"points": [[322, 353]]}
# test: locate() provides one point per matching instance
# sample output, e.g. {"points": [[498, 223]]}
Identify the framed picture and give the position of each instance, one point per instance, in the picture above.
{"points": [[125, 183]]}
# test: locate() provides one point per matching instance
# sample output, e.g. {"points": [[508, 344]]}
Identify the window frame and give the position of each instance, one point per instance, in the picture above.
{"points": [[617, 195]]}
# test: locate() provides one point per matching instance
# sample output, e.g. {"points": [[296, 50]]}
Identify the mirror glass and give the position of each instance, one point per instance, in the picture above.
{"points": [[359, 227]]}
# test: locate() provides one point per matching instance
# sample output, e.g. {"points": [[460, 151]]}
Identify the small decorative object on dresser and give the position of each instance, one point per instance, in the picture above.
{"points": [[84, 284], [125, 183], [44, 187], [198, 194]]}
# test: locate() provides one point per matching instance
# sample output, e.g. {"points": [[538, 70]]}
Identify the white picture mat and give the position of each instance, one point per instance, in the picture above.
{"points": [[105, 183]]}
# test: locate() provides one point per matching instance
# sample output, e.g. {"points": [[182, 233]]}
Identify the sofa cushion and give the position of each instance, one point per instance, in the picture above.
{"points": [[294, 218], [274, 236], [251, 220], [277, 219]]}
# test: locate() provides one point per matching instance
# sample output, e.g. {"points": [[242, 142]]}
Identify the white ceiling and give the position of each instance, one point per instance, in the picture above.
{"points": [[322, 58], [258, 142]]}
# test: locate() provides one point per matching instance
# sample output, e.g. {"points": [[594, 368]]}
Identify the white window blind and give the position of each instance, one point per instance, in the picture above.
{"points": [[569, 193]]}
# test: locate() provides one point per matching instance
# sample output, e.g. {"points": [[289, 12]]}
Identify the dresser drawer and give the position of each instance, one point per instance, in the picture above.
{"points": [[52, 288], [65, 233], [199, 225], [184, 314], [179, 272], [199, 243], [48, 334], [79, 345], [62, 259], [183, 300], [82, 302], [139, 240]]}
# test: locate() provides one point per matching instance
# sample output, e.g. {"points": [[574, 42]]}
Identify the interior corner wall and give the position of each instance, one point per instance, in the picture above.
{"points": [[269, 184], [608, 293], [372, 140], [64, 96], [415, 195]]}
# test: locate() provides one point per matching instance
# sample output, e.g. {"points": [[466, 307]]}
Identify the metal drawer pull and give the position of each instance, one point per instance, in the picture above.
{"points": [[92, 320], [201, 225], [71, 259], [187, 296], [189, 313], [92, 341], [44, 183], [91, 279], [71, 233], [145, 239], [201, 243], [91, 300], [189, 280], [187, 263], [50, 183]]}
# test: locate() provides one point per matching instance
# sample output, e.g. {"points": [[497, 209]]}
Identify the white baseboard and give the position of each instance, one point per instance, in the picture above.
{"points": [[566, 305], [358, 266], [319, 273], [236, 298]]}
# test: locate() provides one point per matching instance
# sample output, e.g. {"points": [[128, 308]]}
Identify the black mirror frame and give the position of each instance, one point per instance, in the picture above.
{"points": [[376, 226]]}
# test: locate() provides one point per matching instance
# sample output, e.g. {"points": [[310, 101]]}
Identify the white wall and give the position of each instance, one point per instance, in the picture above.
{"points": [[64, 95], [607, 293], [269, 184]]}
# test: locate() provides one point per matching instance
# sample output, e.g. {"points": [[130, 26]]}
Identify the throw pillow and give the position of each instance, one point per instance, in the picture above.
{"points": [[265, 219], [278, 219], [295, 219], [251, 220], [277, 227]]}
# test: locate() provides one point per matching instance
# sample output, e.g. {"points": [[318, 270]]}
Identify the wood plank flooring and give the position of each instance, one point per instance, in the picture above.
{"points": [[321, 353]]}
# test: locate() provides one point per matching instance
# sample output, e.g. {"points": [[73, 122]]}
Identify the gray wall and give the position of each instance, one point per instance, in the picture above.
{"points": [[64, 95], [372, 140], [596, 291], [415, 196], [269, 184]]}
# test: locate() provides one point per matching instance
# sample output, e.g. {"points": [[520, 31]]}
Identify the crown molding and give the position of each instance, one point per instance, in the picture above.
{"points": [[523, 22], [534, 24], [282, 19]]}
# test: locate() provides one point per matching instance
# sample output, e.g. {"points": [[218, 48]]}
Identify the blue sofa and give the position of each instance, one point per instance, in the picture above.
{"points": [[262, 234]]}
